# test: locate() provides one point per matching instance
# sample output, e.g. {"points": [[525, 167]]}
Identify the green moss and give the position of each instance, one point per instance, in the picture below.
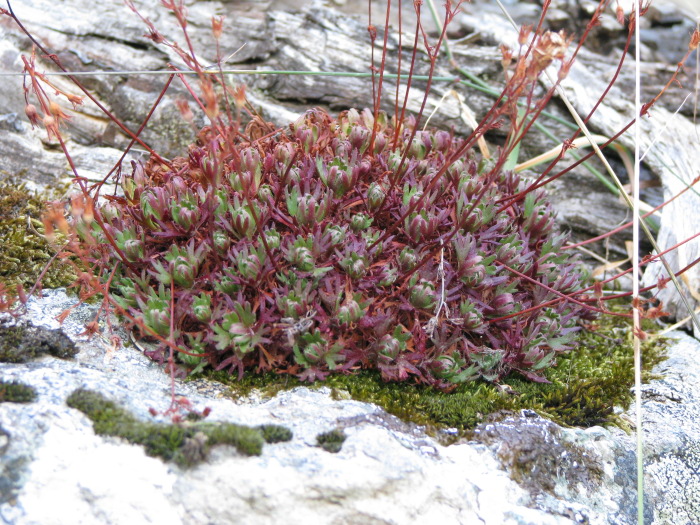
{"points": [[186, 444], [16, 392], [331, 441], [21, 343], [586, 385], [275, 433], [24, 252]]}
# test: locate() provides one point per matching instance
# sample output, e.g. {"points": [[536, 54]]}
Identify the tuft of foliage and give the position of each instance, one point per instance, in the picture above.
{"points": [[341, 244], [331, 441], [275, 433], [187, 445], [16, 392]]}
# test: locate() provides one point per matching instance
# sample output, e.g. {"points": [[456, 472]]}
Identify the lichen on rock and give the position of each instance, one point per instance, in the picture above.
{"points": [[24, 342]]}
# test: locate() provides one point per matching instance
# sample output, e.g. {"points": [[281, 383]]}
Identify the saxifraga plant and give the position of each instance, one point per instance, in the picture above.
{"points": [[339, 243], [306, 253]]}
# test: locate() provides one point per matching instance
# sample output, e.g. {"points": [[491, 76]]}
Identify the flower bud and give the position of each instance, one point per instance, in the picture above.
{"points": [[184, 109], [32, 114], [217, 26], [50, 125]]}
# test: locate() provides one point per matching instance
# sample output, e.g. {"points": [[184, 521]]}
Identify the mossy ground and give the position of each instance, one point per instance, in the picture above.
{"points": [[24, 252], [186, 444], [586, 384]]}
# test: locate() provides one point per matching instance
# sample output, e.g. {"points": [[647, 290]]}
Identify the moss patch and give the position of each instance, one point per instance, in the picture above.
{"points": [[24, 252], [16, 392], [586, 385], [21, 343], [275, 433], [185, 444], [331, 441]]}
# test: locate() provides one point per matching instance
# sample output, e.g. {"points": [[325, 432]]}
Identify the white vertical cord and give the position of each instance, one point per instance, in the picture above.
{"points": [[636, 333]]}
